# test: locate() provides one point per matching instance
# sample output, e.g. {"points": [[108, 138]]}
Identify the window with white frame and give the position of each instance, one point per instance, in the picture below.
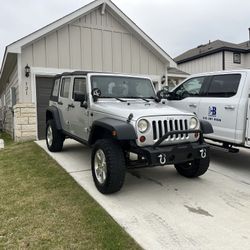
{"points": [[237, 58]]}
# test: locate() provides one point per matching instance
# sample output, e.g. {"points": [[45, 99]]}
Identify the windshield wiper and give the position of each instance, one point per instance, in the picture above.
{"points": [[137, 97], [119, 99]]}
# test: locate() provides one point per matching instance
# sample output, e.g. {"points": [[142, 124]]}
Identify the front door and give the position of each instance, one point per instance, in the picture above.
{"points": [[187, 95], [78, 114], [220, 106]]}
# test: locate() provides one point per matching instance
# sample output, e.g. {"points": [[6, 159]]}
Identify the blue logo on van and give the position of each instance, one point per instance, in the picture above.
{"points": [[212, 111]]}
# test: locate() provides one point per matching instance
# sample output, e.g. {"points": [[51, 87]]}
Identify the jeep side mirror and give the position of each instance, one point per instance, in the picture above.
{"points": [[164, 93], [79, 97], [96, 93]]}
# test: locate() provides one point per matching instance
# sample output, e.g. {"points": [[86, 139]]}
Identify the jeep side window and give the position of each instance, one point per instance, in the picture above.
{"points": [[190, 88], [79, 86], [65, 88], [55, 91], [224, 85]]}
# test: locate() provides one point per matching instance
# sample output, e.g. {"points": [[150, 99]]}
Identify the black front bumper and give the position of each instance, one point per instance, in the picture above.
{"points": [[175, 154]]}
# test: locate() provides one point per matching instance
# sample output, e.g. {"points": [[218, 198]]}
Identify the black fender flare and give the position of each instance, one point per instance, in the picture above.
{"points": [[53, 113], [206, 127], [120, 130]]}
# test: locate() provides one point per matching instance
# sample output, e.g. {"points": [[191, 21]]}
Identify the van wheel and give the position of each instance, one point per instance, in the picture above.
{"points": [[54, 138], [193, 169], [108, 166]]}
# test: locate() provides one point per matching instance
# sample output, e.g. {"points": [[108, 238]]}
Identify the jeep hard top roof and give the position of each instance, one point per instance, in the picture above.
{"points": [[84, 73]]}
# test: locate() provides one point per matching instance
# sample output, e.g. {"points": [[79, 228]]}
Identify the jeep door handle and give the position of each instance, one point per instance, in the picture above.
{"points": [[229, 107], [193, 105], [60, 103], [71, 105]]}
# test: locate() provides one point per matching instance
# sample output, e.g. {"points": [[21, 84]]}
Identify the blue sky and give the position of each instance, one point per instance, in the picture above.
{"points": [[176, 25]]}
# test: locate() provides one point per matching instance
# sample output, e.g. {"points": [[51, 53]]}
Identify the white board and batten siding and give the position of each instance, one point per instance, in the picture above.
{"points": [[6, 101], [229, 61], [205, 64], [93, 42]]}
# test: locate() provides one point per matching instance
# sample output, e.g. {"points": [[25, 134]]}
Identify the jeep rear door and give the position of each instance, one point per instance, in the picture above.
{"points": [[187, 95], [220, 105], [64, 102]]}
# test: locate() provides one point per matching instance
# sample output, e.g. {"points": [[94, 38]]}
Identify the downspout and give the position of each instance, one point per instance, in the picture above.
{"points": [[223, 60]]}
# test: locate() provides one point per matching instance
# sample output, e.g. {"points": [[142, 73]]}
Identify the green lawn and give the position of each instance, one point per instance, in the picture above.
{"points": [[42, 207]]}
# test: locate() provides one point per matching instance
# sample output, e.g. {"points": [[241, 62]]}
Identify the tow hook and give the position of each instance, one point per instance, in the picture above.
{"points": [[203, 152]]}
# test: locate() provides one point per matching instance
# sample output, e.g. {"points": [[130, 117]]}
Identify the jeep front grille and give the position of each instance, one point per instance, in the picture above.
{"points": [[161, 127]]}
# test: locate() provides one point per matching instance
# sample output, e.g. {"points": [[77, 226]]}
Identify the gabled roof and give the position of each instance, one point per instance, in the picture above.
{"points": [[211, 48], [17, 46], [175, 71]]}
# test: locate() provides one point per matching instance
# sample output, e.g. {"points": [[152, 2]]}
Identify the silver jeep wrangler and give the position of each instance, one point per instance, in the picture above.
{"points": [[127, 125]]}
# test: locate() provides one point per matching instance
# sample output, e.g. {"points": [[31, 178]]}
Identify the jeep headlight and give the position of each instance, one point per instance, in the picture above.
{"points": [[193, 123], [143, 125]]}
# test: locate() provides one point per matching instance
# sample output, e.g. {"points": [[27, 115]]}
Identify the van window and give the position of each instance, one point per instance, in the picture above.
{"points": [[224, 85], [190, 88], [65, 87]]}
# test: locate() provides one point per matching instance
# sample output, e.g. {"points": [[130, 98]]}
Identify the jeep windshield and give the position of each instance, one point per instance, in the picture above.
{"points": [[123, 87]]}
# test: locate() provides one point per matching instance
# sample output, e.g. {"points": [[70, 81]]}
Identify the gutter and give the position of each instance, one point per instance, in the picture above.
{"points": [[212, 52]]}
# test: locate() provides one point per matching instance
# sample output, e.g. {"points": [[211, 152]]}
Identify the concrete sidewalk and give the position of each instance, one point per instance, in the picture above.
{"points": [[162, 210]]}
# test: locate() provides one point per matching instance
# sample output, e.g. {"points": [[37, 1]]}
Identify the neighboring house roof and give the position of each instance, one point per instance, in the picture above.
{"points": [[211, 48], [175, 71], [16, 47]]}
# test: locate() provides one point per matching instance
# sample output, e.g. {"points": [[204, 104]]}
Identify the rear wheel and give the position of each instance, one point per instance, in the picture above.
{"points": [[194, 168], [54, 137], [108, 166]]}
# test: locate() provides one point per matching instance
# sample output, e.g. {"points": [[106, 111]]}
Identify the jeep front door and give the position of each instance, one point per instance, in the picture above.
{"points": [[187, 96], [220, 106], [79, 114], [63, 103]]}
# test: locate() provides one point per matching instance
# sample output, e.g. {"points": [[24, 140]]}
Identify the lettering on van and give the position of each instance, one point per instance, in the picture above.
{"points": [[212, 113]]}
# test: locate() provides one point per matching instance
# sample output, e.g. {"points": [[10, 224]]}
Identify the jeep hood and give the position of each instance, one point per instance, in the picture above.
{"points": [[138, 109]]}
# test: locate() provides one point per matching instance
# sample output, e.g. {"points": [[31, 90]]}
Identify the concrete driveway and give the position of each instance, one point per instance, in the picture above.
{"points": [[162, 210]]}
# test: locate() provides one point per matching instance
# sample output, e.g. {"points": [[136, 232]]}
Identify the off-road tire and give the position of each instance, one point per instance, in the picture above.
{"points": [[193, 169], [116, 167], [58, 137]]}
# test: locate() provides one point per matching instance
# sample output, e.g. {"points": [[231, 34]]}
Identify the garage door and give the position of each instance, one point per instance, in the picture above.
{"points": [[43, 90]]}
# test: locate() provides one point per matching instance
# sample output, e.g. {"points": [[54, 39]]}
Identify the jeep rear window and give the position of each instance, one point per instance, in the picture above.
{"points": [[123, 87], [56, 88], [224, 85]]}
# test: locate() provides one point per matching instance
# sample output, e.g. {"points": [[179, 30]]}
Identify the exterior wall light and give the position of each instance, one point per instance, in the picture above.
{"points": [[163, 79], [27, 70]]}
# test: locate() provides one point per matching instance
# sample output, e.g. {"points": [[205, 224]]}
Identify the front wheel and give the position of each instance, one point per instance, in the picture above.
{"points": [[108, 166], [194, 168]]}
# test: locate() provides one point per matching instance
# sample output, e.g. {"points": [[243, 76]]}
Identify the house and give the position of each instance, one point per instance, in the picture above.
{"points": [[214, 56], [96, 37]]}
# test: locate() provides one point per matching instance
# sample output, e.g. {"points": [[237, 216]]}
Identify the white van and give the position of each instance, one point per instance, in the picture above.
{"points": [[223, 99]]}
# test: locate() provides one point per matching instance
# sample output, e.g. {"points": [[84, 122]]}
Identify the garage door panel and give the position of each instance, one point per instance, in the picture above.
{"points": [[43, 90]]}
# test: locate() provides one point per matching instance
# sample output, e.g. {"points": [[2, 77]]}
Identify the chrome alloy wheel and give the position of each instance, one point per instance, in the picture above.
{"points": [[100, 166], [49, 136]]}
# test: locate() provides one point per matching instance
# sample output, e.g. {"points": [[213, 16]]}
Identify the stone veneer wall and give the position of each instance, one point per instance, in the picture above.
{"points": [[25, 122]]}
